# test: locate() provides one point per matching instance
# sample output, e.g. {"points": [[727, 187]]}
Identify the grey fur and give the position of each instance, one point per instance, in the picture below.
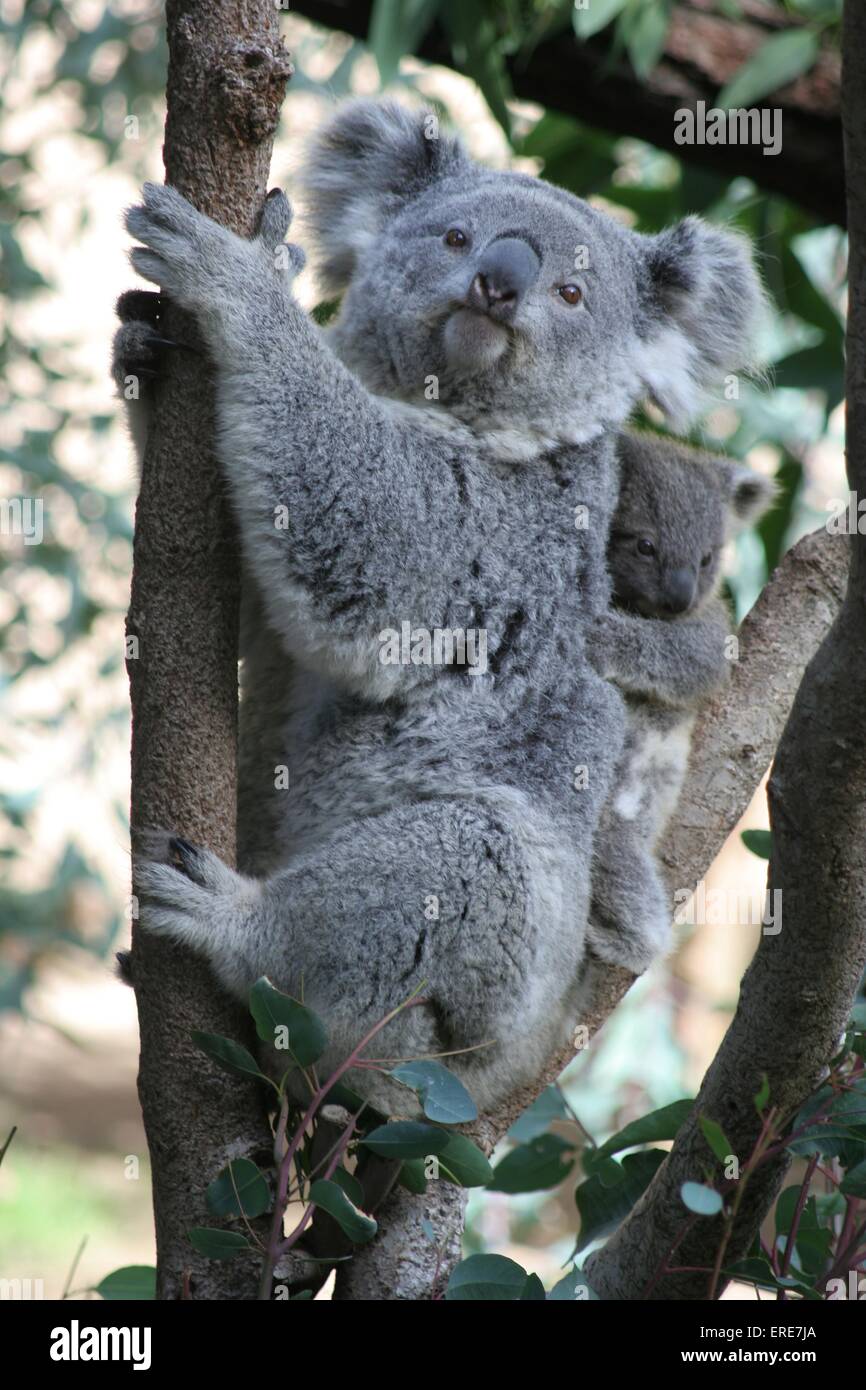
{"points": [[433, 830], [685, 506]]}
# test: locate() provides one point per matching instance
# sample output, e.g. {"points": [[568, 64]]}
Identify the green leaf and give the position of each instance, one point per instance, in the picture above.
{"points": [[763, 1094], [594, 15], [356, 1224], [486, 1279], [760, 842], [854, 1182], [227, 1054], [411, 1176], [602, 1208], [406, 1139], [649, 1129], [350, 1185], [478, 52], [543, 1162], [646, 35], [442, 1096], [702, 1200], [777, 62], [397, 28], [217, 1245], [462, 1162], [286, 1024], [715, 1137], [533, 1290], [132, 1282], [537, 1118], [241, 1189]]}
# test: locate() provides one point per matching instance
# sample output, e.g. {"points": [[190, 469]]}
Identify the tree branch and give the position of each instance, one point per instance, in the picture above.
{"points": [[702, 52], [226, 79]]}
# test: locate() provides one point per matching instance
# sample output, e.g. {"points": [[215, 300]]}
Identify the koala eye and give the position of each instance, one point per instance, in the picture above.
{"points": [[705, 559], [645, 547], [455, 237], [572, 294]]}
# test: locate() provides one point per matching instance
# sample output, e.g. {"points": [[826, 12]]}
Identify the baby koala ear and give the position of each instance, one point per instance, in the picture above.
{"points": [[368, 160], [750, 494], [702, 307]]}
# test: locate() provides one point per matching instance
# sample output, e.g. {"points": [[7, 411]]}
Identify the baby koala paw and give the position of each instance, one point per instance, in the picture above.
{"points": [[274, 224], [189, 895]]}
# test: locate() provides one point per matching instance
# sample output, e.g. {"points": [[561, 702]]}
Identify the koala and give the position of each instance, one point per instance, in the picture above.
{"points": [[663, 643], [421, 467]]}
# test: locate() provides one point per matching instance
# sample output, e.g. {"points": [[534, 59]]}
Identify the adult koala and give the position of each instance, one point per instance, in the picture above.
{"points": [[439, 823]]}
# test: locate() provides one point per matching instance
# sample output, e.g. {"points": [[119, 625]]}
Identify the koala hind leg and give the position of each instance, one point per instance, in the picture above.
{"points": [[630, 918], [431, 895]]}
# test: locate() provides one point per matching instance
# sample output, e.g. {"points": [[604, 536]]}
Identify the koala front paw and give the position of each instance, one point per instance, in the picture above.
{"points": [[187, 254], [188, 894], [600, 646]]}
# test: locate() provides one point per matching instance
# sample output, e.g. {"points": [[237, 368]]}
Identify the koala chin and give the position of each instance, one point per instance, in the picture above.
{"points": [[422, 461]]}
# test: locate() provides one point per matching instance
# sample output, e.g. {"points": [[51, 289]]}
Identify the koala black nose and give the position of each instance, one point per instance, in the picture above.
{"points": [[507, 269], [679, 590]]}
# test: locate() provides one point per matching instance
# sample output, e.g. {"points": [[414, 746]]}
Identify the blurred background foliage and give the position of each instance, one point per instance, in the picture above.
{"points": [[81, 114]]}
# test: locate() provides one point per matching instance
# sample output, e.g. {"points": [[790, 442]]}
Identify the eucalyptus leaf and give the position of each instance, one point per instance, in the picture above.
{"points": [[760, 842], [241, 1189], [544, 1162], [132, 1282], [592, 15], [216, 1244], [227, 1054], [406, 1139], [286, 1024], [776, 63], [356, 1224], [462, 1162], [486, 1279], [443, 1097]]}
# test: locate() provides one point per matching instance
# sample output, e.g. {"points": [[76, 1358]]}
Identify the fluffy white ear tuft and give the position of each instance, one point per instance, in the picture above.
{"points": [[366, 161], [750, 494], [702, 306]]}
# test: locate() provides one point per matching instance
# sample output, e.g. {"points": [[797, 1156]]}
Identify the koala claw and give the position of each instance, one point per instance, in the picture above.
{"points": [[186, 859]]}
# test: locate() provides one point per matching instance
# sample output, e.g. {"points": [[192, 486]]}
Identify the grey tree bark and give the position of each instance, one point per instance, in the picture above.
{"points": [[226, 81]]}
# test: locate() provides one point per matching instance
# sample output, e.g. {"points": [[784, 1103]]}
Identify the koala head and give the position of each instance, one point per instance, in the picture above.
{"points": [[676, 510], [512, 302]]}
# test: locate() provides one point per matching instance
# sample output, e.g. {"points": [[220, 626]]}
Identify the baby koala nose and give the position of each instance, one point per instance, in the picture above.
{"points": [[507, 269], [679, 590]]}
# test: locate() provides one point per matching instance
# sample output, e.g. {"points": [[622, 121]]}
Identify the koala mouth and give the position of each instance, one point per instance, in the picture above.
{"points": [[473, 341]]}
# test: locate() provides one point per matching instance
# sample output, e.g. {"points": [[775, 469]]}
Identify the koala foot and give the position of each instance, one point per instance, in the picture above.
{"points": [[188, 894], [139, 345]]}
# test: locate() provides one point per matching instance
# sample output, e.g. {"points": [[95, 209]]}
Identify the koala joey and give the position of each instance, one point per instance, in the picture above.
{"points": [[419, 467], [664, 644]]}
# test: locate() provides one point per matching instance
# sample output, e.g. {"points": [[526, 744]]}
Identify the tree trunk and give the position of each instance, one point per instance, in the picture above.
{"points": [[226, 81]]}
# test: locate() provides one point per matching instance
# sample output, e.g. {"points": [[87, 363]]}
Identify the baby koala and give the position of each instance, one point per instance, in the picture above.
{"points": [[664, 644]]}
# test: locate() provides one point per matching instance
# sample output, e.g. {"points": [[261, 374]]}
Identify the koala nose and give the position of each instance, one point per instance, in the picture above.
{"points": [[507, 269], [679, 590]]}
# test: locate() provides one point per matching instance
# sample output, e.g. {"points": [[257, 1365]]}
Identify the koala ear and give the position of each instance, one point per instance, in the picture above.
{"points": [[703, 305], [750, 494], [368, 160]]}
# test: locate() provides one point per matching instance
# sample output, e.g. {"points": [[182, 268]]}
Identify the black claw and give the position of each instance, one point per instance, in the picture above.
{"points": [[124, 966], [184, 857], [154, 340]]}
